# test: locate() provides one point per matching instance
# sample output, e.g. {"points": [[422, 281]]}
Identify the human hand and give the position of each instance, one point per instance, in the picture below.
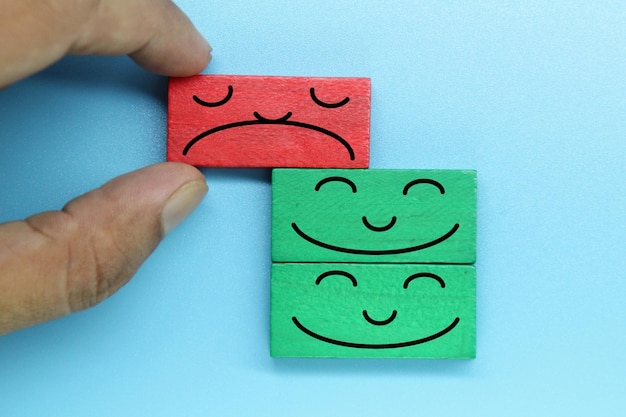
{"points": [[59, 262]]}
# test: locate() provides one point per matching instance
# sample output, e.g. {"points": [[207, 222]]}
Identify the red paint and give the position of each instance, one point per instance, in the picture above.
{"points": [[269, 121]]}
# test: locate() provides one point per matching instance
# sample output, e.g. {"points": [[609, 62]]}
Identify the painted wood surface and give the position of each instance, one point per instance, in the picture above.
{"points": [[376, 216], [261, 121], [373, 310]]}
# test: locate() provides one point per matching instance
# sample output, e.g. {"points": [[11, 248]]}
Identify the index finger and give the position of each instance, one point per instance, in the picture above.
{"points": [[155, 33]]}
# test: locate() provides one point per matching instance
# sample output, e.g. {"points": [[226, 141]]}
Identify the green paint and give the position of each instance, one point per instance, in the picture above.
{"points": [[334, 215], [334, 309]]}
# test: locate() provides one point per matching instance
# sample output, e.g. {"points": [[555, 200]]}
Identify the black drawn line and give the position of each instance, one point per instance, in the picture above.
{"points": [[340, 179], [423, 181], [263, 121], [424, 275], [328, 105], [375, 346], [373, 251], [336, 272], [380, 322], [379, 228], [216, 103]]}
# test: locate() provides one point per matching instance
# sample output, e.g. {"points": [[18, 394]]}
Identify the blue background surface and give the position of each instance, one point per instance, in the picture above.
{"points": [[532, 96]]}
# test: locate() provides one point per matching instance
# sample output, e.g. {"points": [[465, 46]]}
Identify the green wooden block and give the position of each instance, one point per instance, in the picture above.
{"points": [[373, 310], [378, 216]]}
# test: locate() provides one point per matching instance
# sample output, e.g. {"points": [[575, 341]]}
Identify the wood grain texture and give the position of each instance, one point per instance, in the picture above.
{"points": [[260, 121], [373, 310], [400, 216]]}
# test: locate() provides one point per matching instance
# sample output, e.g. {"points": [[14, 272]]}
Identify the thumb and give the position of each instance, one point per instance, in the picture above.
{"points": [[55, 263]]}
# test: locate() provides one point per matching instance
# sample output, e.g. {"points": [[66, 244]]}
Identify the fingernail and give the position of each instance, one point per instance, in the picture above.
{"points": [[205, 44], [210, 51], [181, 204]]}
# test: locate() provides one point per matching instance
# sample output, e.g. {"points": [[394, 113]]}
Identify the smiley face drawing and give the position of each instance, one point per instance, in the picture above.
{"points": [[373, 310], [262, 121], [374, 216]]}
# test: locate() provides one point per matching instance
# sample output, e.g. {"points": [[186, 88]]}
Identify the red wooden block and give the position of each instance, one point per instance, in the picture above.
{"points": [[257, 121]]}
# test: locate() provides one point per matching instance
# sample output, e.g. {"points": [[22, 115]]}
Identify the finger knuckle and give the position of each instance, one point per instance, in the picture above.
{"points": [[90, 263]]}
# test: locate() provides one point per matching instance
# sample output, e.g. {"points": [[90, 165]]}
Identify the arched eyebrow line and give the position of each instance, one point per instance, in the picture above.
{"points": [[327, 105], [423, 181], [424, 275], [340, 179], [336, 272], [221, 102]]}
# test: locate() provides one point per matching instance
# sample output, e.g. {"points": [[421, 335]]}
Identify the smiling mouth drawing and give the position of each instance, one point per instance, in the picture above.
{"points": [[384, 228], [372, 345], [379, 322], [374, 252], [260, 120]]}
